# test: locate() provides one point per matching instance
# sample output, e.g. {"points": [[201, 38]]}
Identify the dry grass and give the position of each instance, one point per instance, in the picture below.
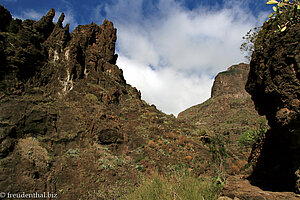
{"points": [[178, 187], [31, 150]]}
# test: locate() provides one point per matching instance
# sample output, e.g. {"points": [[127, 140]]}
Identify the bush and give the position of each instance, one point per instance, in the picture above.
{"points": [[92, 98], [248, 138], [219, 155], [286, 13]]}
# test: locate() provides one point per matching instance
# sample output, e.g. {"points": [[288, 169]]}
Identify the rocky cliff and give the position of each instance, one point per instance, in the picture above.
{"points": [[229, 113], [274, 85], [231, 82], [230, 110], [69, 122]]}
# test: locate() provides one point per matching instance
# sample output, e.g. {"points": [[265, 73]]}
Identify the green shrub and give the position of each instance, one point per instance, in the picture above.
{"points": [[286, 13], [248, 138], [73, 153], [92, 98]]}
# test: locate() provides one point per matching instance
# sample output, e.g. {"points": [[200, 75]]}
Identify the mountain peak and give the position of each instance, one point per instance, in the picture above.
{"points": [[46, 55], [232, 81]]}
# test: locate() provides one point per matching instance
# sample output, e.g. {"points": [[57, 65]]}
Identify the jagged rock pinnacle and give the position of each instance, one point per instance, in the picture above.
{"points": [[60, 20]]}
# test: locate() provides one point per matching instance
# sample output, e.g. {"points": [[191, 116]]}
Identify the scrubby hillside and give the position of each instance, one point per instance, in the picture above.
{"points": [[229, 115]]}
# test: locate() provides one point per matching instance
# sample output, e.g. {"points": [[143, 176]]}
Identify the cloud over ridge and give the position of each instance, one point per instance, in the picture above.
{"points": [[172, 53]]}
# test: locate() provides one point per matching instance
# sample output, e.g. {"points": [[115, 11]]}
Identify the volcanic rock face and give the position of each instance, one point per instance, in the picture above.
{"points": [[46, 54], [231, 82], [43, 59], [69, 123], [274, 84]]}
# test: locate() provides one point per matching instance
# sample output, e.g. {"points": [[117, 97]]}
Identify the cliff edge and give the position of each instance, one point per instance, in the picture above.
{"points": [[274, 86]]}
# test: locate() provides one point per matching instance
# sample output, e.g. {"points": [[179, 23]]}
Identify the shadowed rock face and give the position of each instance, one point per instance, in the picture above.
{"points": [[5, 19], [274, 84]]}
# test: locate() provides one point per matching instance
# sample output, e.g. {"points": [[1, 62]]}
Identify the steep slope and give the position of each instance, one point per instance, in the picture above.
{"points": [[69, 123], [230, 110], [228, 114], [274, 85]]}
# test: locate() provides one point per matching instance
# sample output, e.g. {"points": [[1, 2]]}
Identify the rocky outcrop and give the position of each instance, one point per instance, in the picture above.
{"points": [[47, 55], [69, 123], [274, 85], [43, 59], [5, 19], [231, 82], [238, 187]]}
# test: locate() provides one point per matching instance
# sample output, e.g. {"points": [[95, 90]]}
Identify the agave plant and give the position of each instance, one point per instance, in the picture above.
{"points": [[282, 6]]}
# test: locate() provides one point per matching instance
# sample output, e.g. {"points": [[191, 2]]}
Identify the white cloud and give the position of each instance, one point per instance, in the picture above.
{"points": [[170, 90], [185, 47], [30, 14]]}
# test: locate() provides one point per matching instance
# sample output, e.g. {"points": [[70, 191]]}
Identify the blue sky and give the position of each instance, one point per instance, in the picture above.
{"points": [[169, 49], [82, 8]]}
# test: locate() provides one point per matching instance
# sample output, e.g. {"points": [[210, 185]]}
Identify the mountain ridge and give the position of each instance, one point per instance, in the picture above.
{"points": [[228, 99]]}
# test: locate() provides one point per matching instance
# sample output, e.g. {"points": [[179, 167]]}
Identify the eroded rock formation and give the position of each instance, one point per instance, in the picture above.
{"points": [[231, 82], [274, 84]]}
